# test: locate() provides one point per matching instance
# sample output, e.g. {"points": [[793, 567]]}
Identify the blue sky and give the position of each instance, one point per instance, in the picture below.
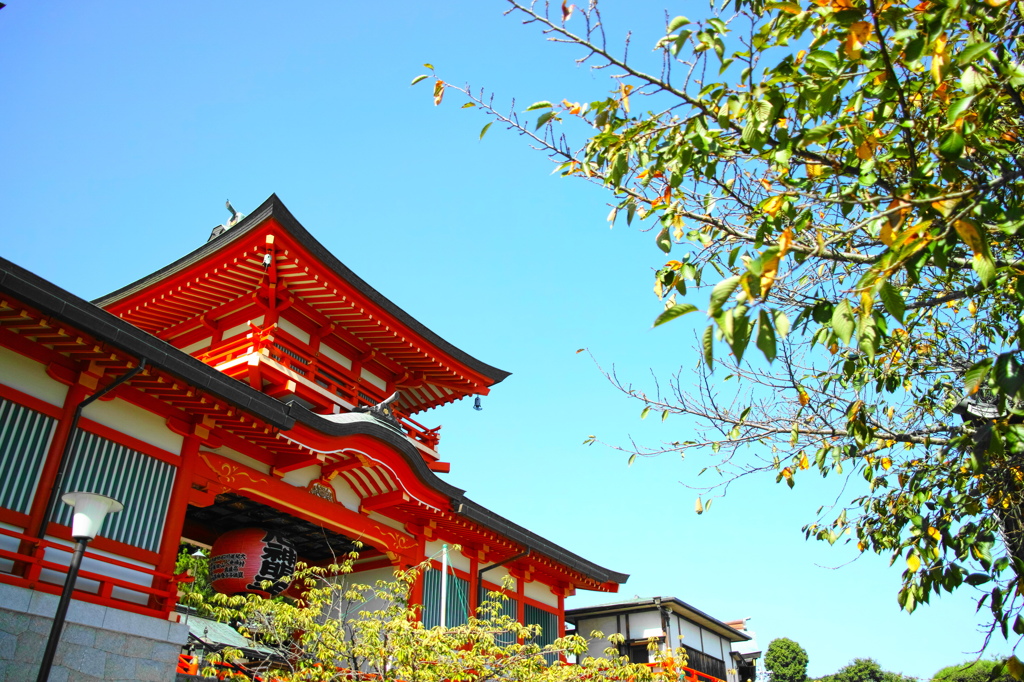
{"points": [[127, 125]]}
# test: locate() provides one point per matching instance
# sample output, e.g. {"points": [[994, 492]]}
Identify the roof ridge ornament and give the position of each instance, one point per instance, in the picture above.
{"points": [[236, 217], [382, 409]]}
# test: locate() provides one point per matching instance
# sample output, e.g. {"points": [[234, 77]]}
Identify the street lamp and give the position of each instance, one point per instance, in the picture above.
{"points": [[90, 510]]}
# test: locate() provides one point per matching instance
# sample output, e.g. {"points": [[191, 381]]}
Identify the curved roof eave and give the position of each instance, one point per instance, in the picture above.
{"points": [[274, 208], [65, 307], [461, 504]]}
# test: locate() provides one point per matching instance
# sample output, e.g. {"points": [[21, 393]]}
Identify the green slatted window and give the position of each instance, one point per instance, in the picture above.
{"points": [[509, 607], [142, 484], [458, 600], [549, 628], [24, 439]]}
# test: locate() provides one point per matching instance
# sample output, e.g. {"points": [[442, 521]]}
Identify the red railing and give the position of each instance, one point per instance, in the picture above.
{"points": [[319, 370], [155, 601]]}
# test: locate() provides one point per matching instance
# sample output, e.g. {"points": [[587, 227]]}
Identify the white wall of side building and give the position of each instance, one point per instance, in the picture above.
{"points": [[29, 376]]}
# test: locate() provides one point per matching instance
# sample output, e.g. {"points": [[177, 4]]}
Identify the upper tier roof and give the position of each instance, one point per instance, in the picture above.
{"points": [[231, 266]]}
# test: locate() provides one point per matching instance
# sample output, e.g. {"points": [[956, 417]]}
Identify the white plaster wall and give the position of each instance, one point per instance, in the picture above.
{"points": [[691, 634], [371, 577], [234, 456], [605, 624], [241, 328], [336, 356], [456, 559], [498, 576], [301, 478], [643, 625], [293, 330], [346, 496], [198, 345], [9, 544], [29, 376], [136, 422], [540, 592], [373, 379]]}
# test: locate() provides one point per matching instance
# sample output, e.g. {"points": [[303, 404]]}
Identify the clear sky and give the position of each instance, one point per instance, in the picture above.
{"points": [[127, 124]]}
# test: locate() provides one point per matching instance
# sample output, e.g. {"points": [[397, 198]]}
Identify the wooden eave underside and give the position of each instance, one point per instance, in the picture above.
{"points": [[232, 277], [69, 352]]}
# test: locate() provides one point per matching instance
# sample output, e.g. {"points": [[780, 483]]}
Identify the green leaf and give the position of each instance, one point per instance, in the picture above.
{"points": [[972, 52], [951, 146], [483, 131], [676, 23], [539, 105], [842, 321], [417, 79], [958, 107], [544, 118], [974, 377], [721, 293], [893, 301], [766, 336], [429, 66], [740, 334], [646, 411], [985, 267], [468, 105], [781, 324], [673, 312], [664, 240], [708, 345]]}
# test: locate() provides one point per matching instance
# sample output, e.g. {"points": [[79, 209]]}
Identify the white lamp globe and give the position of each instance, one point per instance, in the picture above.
{"points": [[90, 510]]}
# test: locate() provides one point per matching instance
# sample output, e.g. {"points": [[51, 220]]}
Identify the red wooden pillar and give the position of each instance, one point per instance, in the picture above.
{"points": [[561, 615], [521, 597], [178, 504], [416, 594], [48, 476], [474, 585]]}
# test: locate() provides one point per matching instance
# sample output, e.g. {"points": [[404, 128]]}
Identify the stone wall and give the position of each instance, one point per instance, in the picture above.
{"points": [[98, 643]]}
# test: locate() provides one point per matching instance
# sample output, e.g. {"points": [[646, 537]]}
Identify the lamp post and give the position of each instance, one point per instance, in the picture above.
{"points": [[90, 510]]}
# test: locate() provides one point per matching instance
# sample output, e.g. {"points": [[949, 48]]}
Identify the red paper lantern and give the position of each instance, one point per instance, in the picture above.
{"points": [[242, 559]]}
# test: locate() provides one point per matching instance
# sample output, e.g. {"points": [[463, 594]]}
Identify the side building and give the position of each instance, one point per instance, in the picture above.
{"points": [[715, 650], [255, 382]]}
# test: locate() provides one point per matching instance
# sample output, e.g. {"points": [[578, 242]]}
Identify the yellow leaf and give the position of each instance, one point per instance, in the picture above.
{"points": [[787, 473], [813, 170], [625, 90], [945, 206], [804, 463], [913, 563], [968, 231], [934, 534], [699, 506], [802, 396], [865, 150], [861, 546], [773, 205], [972, 308], [939, 58], [785, 242], [857, 38], [1015, 667], [438, 91], [886, 463]]}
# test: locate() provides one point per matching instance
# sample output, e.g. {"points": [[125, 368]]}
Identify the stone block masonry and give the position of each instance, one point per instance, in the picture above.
{"points": [[98, 643]]}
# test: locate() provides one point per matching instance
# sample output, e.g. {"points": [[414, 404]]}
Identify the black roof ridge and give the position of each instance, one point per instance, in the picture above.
{"points": [[56, 302], [273, 207]]}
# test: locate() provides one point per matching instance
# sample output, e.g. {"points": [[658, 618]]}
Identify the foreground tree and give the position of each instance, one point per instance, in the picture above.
{"points": [[785, 661], [340, 629], [846, 178]]}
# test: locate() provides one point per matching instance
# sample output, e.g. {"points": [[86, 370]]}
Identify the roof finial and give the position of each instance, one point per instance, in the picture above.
{"points": [[236, 217]]}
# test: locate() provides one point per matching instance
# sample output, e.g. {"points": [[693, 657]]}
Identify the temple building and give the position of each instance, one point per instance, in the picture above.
{"points": [[255, 383]]}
